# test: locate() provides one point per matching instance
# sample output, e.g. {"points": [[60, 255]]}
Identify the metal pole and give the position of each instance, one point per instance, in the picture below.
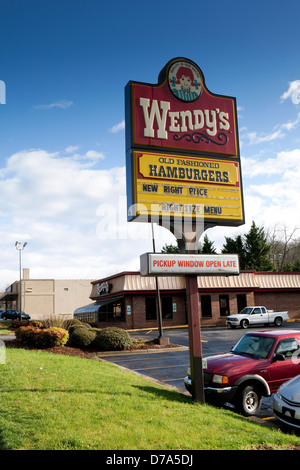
{"points": [[20, 248], [20, 289], [157, 292]]}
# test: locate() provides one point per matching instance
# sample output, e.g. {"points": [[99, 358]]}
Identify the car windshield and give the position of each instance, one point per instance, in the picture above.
{"points": [[247, 310], [254, 346]]}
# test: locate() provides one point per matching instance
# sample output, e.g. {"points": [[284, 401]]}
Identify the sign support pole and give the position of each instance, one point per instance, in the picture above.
{"points": [[195, 338], [189, 243], [161, 339]]}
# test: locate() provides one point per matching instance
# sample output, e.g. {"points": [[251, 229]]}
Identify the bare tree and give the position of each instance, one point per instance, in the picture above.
{"points": [[285, 247]]}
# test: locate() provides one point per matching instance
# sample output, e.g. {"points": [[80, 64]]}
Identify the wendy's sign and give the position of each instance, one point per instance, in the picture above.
{"points": [[179, 113], [182, 151]]}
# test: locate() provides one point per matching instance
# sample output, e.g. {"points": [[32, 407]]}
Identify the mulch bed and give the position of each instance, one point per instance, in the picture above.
{"points": [[89, 354]]}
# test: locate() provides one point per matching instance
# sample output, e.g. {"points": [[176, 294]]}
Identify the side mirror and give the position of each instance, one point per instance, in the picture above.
{"points": [[278, 357]]}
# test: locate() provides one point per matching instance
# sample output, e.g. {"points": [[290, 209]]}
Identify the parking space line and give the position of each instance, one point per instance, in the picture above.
{"points": [[161, 367], [172, 380]]}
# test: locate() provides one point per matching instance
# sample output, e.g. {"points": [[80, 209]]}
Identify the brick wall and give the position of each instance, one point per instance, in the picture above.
{"points": [[135, 317], [138, 313], [279, 301]]}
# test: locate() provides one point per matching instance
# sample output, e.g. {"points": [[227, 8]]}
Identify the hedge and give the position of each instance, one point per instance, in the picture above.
{"points": [[81, 336], [42, 338], [112, 339]]}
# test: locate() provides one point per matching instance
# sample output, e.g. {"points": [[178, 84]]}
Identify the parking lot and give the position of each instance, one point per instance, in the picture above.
{"points": [[169, 366]]}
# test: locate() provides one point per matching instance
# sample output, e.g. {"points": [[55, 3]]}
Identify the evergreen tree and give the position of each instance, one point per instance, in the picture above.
{"points": [[296, 266], [287, 268], [170, 248], [257, 249], [252, 248], [236, 246], [207, 246]]}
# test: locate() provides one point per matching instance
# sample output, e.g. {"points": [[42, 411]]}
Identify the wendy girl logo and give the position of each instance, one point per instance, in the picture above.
{"points": [[185, 81]]}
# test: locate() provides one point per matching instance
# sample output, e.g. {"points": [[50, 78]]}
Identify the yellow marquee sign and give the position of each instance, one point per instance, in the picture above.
{"points": [[184, 186]]}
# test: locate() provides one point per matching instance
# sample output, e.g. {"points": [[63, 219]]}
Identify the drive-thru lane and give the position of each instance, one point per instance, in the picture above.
{"points": [[169, 366]]}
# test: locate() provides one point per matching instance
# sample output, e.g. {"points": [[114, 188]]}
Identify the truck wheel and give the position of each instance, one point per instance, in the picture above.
{"points": [[249, 400], [278, 321], [244, 324]]}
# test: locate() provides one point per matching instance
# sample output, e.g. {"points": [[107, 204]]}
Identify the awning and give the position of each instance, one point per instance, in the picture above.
{"points": [[87, 308], [9, 296], [96, 305]]}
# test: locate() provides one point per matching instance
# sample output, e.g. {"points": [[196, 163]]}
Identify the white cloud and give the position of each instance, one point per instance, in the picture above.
{"points": [[55, 203], [278, 133], [292, 125], [118, 127], [254, 138], [71, 148], [281, 165], [274, 194], [94, 155], [62, 104], [293, 92]]}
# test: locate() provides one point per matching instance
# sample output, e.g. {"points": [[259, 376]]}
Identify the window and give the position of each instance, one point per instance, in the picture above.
{"points": [[167, 308], [150, 308], [241, 301], [112, 312], [224, 305], [256, 311], [288, 348], [206, 306]]}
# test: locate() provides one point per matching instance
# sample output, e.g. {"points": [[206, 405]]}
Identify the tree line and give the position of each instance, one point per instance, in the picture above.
{"points": [[275, 249]]}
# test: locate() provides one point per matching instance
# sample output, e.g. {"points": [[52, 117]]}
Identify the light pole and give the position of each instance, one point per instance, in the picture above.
{"points": [[20, 248]]}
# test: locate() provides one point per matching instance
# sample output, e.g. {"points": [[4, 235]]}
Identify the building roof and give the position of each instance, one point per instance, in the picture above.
{"points": [[246, 280]]}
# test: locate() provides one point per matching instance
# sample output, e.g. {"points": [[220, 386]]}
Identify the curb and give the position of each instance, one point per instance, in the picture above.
{"points": [[141, 351]]}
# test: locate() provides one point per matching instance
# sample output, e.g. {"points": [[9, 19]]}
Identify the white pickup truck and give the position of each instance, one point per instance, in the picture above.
{"points": [[255, 316]]}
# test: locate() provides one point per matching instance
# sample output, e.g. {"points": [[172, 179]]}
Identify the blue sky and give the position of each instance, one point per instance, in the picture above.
{"points": [[62, 148]]}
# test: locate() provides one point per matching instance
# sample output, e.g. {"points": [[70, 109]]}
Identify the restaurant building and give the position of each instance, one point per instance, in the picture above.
{"points": [[128, 300]]}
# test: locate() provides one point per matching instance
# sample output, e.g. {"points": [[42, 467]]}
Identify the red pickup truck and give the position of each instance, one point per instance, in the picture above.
{"points": [[255, 367]]}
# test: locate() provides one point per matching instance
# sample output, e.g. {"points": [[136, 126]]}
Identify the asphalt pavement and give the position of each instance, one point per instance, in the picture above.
{"points": [[169, 366]]}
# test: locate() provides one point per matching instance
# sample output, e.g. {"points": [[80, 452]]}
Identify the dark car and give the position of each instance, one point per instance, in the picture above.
{"points": [[14, 315], [1, 312]]}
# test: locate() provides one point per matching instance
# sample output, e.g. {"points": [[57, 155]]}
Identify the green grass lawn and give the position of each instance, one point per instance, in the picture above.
{"points": [[4, 328], [50, 401]]}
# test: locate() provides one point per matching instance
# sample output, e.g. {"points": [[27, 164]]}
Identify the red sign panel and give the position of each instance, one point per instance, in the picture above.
{"points": [[181, 114]]}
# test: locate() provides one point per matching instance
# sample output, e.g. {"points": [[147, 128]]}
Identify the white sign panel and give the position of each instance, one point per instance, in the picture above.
{"points": [[175, 264]]}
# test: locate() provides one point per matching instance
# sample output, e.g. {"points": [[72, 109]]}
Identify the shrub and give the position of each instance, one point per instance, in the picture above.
{"points": [[74, 327], [81, 337], [51, 337], [42, 337], [112, 339], [72, 322], [54, 321], [26, 334], [35, 323], [18, 323]]}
